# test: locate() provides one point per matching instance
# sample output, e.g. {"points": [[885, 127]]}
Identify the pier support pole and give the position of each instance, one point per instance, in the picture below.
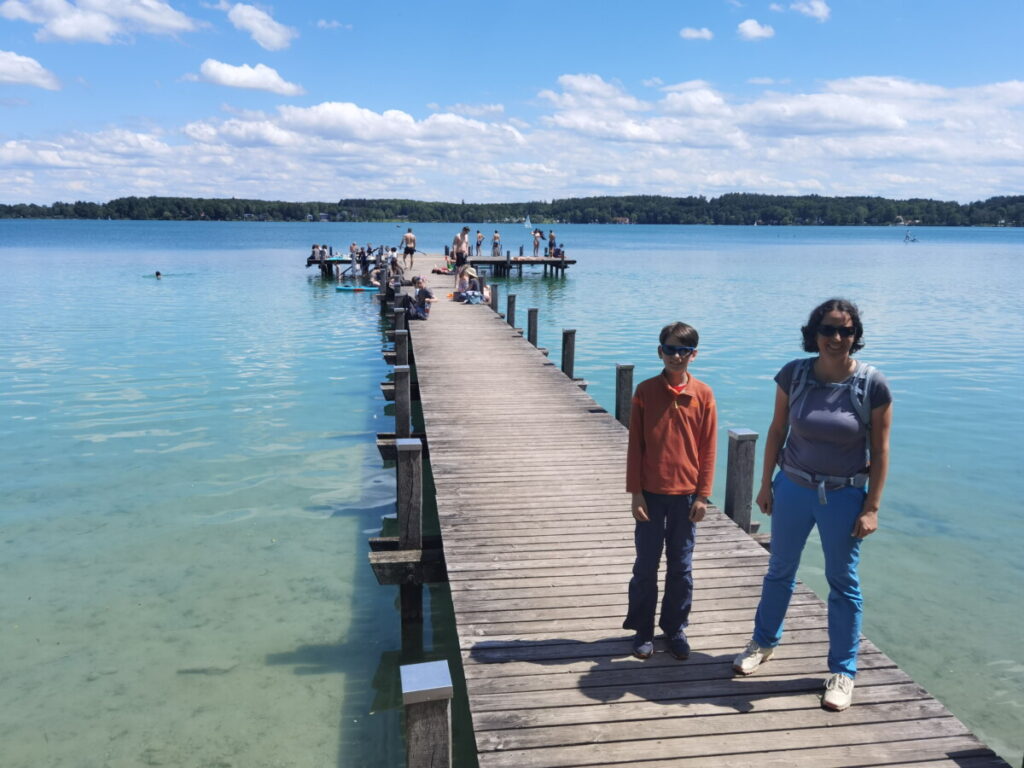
{"points": [[510, 311], [410, 528], [494, 298], [739, 476], [426, 696], [403, 401], [568, 351], [401, 347], [623, 393], [400, 319], [531, 325]]}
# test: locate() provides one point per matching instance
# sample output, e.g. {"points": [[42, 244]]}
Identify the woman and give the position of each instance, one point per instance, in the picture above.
{"points": [[830, 438]]}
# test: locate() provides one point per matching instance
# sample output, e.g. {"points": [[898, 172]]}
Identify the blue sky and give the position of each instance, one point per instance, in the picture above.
{"points": [[510, 101]]}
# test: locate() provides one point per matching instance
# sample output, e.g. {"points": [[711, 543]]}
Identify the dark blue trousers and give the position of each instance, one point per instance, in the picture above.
{"points": [[670, 530]]}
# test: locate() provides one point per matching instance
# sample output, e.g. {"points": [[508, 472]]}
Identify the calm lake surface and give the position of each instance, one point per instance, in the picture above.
{"points": [[188, 473]]}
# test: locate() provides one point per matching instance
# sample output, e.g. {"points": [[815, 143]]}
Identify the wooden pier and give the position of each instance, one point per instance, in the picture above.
{"points": [[537, 539], [505, 267]]}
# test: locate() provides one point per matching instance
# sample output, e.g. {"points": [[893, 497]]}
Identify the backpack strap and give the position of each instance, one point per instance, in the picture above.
{"points": [[859, 389], [801, 378]]}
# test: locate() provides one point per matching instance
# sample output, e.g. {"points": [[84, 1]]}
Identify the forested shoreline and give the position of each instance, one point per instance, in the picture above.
{"points": [[735, 208]]}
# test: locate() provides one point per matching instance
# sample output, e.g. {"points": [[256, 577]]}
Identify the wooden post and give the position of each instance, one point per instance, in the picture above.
{"points": [[426, 696], [623, 393], [510, 312], [531, 325], [403, 400], [400, 319], [568, 351], [401, 347], [410, 493], [739, 476], [494, 298]]}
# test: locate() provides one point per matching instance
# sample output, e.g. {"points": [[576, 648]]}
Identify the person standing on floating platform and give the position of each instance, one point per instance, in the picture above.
{"points": [[408, 247], [537, 235], [551, 244], [830, 438], [460, 249], [496, 245], [670, 469], [479, 242]]}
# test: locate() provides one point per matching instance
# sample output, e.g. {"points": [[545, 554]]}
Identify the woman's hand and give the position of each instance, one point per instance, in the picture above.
{"points": [[639, 508], [867, 523], [765, 498]]}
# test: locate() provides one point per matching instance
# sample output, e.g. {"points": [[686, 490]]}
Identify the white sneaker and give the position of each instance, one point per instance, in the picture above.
{"points": [[838, 693], [751, 657]]}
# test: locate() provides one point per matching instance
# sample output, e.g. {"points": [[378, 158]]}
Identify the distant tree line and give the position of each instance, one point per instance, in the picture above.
{"points": [[734, 208]]}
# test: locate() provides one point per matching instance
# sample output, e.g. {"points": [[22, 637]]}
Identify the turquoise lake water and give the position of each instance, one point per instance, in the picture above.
{"points": [[188, 474]]}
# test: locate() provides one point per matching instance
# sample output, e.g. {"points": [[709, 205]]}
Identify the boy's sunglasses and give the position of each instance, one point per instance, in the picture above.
{"points": [[670, 350], [844, 331]]}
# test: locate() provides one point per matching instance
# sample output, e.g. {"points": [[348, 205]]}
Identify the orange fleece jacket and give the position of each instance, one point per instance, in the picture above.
{"points": [[672, 439]]}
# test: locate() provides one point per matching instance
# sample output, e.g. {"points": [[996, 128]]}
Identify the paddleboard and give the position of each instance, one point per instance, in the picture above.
{"points": [[351, 288]]}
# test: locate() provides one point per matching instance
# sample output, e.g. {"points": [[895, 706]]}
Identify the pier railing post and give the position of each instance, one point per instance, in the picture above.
{"points": [[403, 401], [426, 696], [401, 347], [510, 312], [410, 493], [739, 476], [400, 319], [623, 393], [494, 298], [531, 325], [568, 351]]}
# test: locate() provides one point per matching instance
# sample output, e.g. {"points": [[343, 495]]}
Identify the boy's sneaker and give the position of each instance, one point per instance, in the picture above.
{"points": [[838, 693], [751, 658], [679, 647], [643, 648]]}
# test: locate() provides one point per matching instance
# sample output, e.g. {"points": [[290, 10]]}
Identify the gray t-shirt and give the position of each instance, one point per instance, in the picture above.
{"points": [[825, 435]]}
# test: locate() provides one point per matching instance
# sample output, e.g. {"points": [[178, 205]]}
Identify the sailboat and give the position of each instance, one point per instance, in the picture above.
{"points": [[527, 223]]}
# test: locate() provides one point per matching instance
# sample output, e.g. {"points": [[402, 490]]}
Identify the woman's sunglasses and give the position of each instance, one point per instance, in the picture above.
{"points": [[844, 331], [670, 350]]}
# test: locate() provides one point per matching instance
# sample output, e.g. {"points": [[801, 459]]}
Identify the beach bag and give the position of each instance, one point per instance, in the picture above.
{"points": [[474, 297]]}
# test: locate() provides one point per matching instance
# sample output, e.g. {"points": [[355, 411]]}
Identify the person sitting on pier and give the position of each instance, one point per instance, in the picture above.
{"points": [[417, 306], [670, 469], [829, 437], [467, 287]]}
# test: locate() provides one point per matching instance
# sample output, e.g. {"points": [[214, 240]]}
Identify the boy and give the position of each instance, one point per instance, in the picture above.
{"points": [[670, 467]]}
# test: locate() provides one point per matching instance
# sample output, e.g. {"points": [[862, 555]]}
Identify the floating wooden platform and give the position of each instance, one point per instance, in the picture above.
{"points": [[505, 267], [537, 535]]}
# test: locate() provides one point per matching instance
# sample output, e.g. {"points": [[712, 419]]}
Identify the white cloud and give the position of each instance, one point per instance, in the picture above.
{"points": [[22, 70], [260, 77], [332, 24], [97, 21], [816, 9], [691, 33], [267, 33], [751, 30], [474, 110], [777, 8], [592, 92], [870, 135]]}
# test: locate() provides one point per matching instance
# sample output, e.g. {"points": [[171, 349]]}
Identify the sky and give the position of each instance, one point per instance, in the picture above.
{"points": [[505, 102]]}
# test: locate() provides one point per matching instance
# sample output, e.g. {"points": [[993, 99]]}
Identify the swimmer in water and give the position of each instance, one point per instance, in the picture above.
{"points": [[158, 275]]}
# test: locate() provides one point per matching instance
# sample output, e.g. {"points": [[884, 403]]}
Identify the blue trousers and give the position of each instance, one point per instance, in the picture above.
{"points": [[796, 510], [669, 529]]}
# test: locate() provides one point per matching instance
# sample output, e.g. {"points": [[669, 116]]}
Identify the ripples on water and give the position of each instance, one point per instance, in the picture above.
{"points": [[189, 475]]}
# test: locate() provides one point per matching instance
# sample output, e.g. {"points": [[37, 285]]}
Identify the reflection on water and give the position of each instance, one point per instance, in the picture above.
{"points": [[188, 468]]}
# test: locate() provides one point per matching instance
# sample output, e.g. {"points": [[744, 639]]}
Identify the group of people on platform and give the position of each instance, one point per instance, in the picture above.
{"points": [[826, 457]]}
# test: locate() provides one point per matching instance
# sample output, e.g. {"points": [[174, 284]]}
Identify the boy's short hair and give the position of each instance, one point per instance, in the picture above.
{"points": [[685, 333]]}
